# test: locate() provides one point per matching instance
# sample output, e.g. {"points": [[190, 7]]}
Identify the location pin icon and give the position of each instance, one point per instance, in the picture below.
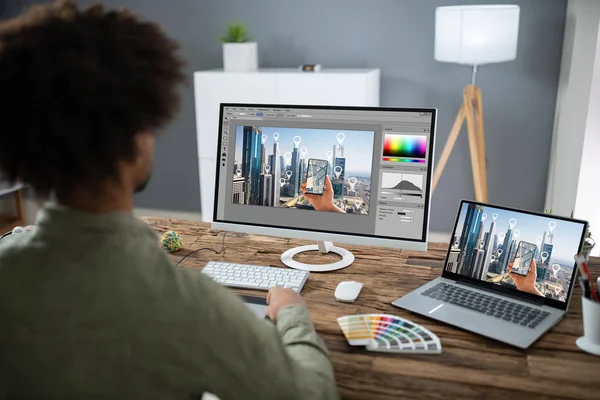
{"points": [[538, 240], [544, 256], [500, 251], [493, 258], [495, 216], [512, 222], [340, 138], [288, 173], [357, 202], [267, 169], [329, 155], [551, 226], [276, 136], [502, 235], [483, 217], [517, 233], [337, 171], [456, 244], [281, 182], [288, 157], [303, 152], [555, 269], [352, 181], [481, 244], [297, 141], [263, 138], [238, 172]]}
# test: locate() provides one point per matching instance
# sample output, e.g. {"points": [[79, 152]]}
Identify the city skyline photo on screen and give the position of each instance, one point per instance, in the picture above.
{"points": [[486, 241], [271, 164]]}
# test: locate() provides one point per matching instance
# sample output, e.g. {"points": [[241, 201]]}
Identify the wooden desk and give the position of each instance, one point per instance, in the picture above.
{"points": [[470, 367]]}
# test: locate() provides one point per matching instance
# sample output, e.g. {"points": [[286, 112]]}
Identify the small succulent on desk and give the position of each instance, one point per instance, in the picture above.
{"points": [[236, 33], [588, 244]]}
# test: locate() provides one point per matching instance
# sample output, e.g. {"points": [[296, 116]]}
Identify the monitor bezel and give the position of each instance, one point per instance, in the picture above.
{"points": [[304, 233], [508, 291]]}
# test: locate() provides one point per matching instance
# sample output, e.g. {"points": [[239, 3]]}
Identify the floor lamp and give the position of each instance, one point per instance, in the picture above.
{"points": [[474, 36]]}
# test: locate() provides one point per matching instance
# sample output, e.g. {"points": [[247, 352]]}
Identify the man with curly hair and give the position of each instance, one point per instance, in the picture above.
{"points": [[90, 306]]}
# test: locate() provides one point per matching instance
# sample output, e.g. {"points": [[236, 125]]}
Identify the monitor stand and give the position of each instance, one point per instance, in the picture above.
{"points": [[323, 247]]}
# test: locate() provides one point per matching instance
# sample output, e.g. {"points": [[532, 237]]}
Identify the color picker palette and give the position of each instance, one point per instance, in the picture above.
{"points": [[406, 160], [397, 148], [388, 333]]}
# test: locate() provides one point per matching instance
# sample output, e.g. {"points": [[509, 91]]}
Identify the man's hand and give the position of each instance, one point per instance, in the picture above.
{"points": [[323, 202], [525, 283], [279, 298]]}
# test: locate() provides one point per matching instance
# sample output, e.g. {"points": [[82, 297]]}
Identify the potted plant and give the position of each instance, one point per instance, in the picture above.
{"points": [[239, 53], [589, 242]]}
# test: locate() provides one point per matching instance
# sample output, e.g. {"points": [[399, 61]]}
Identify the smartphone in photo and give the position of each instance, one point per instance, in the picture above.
{"points": [[524, 258], [316, 172]]}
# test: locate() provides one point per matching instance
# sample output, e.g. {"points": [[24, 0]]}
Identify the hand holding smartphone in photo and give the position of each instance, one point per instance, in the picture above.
{"points": [[315, 176], [524, 258]]}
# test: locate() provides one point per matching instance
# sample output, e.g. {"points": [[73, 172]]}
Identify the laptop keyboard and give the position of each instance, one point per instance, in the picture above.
{"points": [[488, 305]]}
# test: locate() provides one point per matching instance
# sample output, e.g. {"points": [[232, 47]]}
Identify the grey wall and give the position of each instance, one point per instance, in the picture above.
{"points": [[394, 35]]}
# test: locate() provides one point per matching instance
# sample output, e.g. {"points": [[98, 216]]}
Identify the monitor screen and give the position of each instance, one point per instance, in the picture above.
{"points": [[346, 170], [520, 251]]}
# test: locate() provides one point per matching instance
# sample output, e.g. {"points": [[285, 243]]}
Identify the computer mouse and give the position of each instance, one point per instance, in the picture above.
{"points": [[347, 291]]}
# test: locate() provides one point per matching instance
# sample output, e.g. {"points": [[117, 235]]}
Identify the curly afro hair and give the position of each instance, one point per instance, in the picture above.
{"points": [[76, 86]]}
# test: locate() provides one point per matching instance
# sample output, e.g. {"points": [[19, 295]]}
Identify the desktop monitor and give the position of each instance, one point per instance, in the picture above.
{"points": [[369, 170]]}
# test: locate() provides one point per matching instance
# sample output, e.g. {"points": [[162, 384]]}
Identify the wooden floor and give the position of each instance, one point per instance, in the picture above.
{"points": [[470, 367]]}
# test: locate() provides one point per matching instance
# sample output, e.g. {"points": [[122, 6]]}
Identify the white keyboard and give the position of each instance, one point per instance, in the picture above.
{"points": [[255, 277]]}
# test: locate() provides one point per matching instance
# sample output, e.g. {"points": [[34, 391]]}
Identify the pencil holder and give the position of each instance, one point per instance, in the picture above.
{"points": [[590, 341]]}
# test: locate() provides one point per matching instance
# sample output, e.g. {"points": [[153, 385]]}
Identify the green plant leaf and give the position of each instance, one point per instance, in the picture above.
{"points": [[235, 33]]}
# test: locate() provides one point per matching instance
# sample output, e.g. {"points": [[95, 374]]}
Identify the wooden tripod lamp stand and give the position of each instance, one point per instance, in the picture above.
{"points": [[473, 35]]}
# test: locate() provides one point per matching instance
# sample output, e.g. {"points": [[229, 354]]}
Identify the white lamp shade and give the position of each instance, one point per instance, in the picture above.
{"points": [[476, 35]]}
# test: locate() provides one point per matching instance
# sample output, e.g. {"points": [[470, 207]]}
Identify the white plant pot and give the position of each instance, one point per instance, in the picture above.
{"points": [[240, 56]]}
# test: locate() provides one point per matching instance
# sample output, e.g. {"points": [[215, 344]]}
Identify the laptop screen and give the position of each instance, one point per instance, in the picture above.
{"points": [[525, 253]]}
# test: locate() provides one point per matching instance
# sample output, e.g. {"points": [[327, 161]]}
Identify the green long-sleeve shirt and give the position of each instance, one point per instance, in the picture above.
{"points": [[90, 306]]}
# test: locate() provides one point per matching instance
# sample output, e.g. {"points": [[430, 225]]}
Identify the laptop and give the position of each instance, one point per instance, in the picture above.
{"points": [[508, 274]]}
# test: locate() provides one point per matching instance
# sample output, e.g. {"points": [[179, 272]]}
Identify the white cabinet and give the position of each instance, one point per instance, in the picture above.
{"points": [[336, 87]]}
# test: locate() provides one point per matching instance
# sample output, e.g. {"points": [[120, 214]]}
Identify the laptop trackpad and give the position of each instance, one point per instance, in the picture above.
{"points": [[454, 314]]}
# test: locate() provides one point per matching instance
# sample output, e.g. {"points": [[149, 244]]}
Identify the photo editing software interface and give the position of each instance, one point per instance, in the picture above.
{"points": [[521, 251], [369, 169]]}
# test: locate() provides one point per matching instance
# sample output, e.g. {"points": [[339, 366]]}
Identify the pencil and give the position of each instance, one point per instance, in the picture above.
{"points": [[586, 273], [582, 266]]}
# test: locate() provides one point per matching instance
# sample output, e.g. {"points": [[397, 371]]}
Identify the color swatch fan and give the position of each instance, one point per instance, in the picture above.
{"points": [[388, 333]]}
